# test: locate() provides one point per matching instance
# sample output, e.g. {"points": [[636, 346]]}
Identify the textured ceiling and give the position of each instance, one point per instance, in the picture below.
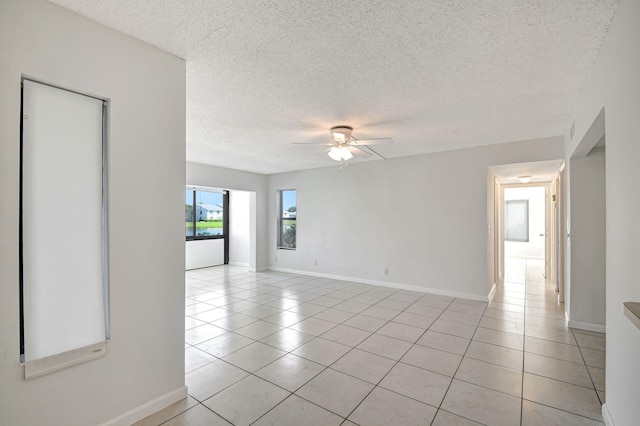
{"points": [[540, 171], [433, 75]]}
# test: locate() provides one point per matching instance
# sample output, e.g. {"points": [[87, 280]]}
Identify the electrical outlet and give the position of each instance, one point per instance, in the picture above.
{"points": [[276, 259], [315, 262], [386, 271]]}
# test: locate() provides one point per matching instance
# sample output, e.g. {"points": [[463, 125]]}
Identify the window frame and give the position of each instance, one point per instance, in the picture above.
{"points": [[225, 213], [282, 218]]}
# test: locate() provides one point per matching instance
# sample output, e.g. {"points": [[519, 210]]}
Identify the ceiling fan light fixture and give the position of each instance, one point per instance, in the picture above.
{"points": [[524, 179], [340, 153], [345, 154]]}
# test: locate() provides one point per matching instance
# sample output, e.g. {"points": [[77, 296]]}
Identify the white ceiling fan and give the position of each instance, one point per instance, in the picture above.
{"points": [[344, 146]]}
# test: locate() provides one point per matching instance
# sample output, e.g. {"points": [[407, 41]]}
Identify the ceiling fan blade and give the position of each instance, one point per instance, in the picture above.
{"points": [[313, 143], [379, 141], [357, 152]]}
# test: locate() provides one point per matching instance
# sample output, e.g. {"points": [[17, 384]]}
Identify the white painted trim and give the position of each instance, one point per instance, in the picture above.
{"points": [[151, 407], [430, 290], [526, 257], [606, 415], [53, 363], [598, 328], [492, 292], [243, 264]]}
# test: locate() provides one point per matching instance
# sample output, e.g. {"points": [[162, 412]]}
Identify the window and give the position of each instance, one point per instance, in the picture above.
{"points": [[64, 274], [287, 219], [516, 220], [204, 214]]}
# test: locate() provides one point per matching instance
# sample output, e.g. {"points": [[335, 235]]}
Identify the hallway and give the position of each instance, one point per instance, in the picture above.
{"points": [[563, 367]]}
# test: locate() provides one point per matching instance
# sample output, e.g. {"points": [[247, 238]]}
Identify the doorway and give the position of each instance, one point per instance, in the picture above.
{"points": [[524, 220]]}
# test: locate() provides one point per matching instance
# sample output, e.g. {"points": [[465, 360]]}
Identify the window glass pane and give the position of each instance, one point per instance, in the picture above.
{"points": [[208, 213], [516, 220], [289, 204], [288, 234], [188, 212], [287, 220]]}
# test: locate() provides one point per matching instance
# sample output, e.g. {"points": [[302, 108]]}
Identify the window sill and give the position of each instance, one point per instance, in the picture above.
{"points": [[213, 237], [53, 363]]}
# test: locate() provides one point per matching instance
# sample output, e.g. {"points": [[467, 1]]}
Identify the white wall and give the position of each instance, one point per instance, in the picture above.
{"points": [[534, 248], [220, 177], [588, 240], [239, 227], [615, 86], [204, 253], [146, 88], [423, 217]]}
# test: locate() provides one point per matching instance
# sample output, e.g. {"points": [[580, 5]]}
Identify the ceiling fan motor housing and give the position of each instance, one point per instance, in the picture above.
{"points": [[341, 134]]}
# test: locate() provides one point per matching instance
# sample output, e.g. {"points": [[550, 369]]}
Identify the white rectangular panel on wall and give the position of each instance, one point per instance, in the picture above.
{"points": [[63, 228]]}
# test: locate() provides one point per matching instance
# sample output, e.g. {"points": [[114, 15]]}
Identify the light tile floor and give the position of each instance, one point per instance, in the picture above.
{"points": [[281, 349]]}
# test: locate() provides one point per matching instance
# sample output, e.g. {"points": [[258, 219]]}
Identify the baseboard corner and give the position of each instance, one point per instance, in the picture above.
{"points": [[606, 415], [492, 292]]}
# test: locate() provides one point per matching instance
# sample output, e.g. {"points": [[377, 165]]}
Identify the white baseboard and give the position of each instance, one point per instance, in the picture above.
{"points": [[145, 410], [606, 415], [410, 287], [598, 328], [238, 264], [492, 292]]}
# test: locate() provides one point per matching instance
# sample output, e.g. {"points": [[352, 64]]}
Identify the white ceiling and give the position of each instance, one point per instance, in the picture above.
{"points": [[540, 171], [433, 75]]}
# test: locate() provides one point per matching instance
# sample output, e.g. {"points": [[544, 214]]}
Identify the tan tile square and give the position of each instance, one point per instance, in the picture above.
{"points": [[322, 351], [491, 376], [444, 342], [564, 396], [335, 391], [246, 401], [385, 346], [495, 354], [400, 331], [198, 415], [417, 383], [364, 322], [290, 371], [536, 414], [212, 378], [557, 369], [382, 408], [346, 335], [294, 410], [364, 365], [432, 359], [495, 407], [254, 356], [445, 418]]}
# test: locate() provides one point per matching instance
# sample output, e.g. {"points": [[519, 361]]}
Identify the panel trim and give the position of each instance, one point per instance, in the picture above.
{"points": [[53, 363]]}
